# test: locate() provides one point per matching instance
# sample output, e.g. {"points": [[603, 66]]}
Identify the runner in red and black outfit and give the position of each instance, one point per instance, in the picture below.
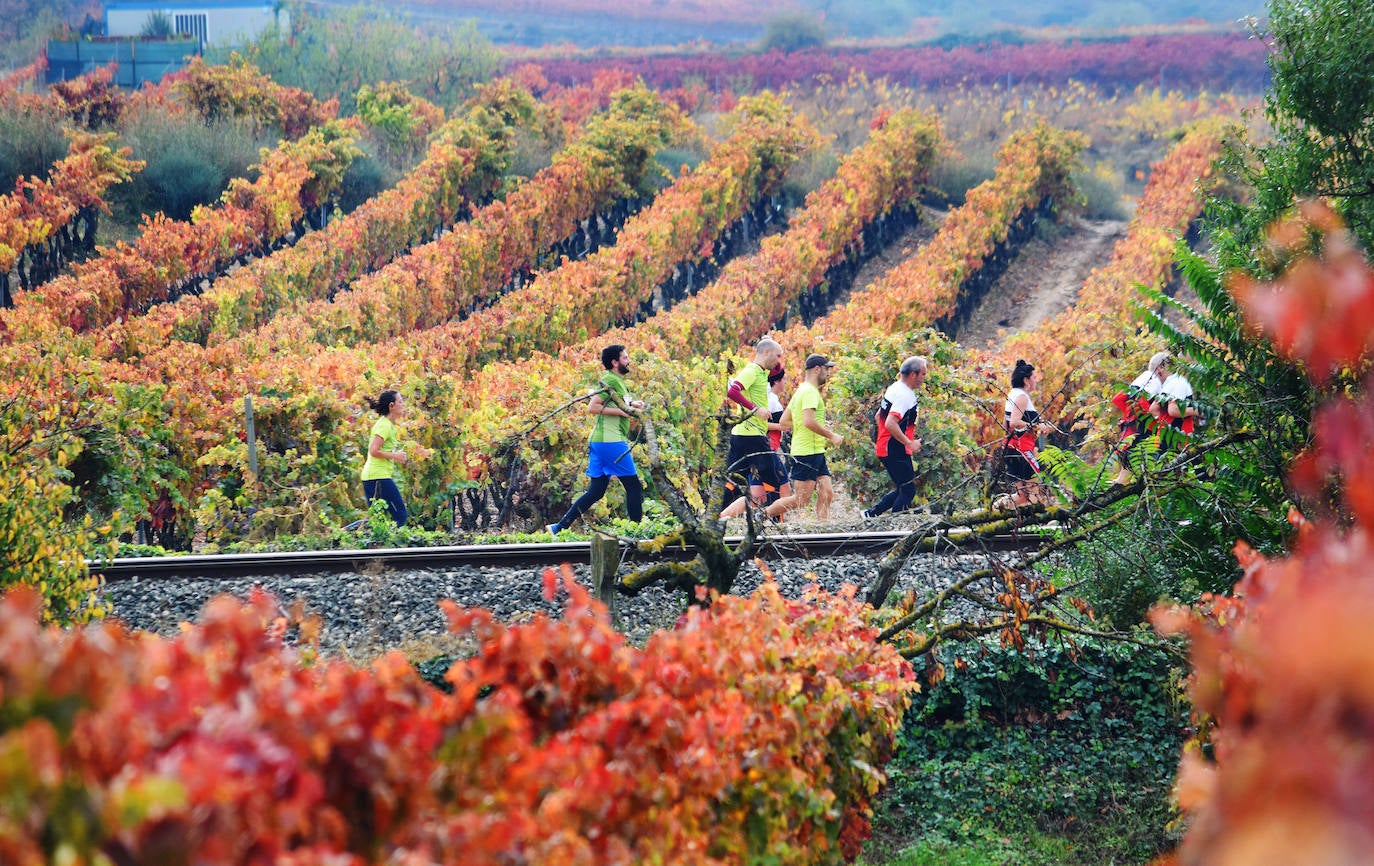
{"points": [[896, 443], [1176, 407], [1020, 450], [1134, 402]]}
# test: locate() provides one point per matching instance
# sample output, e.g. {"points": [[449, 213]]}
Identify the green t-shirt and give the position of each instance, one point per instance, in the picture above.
{"points": [[612, 428], [804, 440], [381, 467], [754, 380]]}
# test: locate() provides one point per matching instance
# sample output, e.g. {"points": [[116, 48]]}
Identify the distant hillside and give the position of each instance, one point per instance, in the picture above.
{"points": [[633, 22], [1185, 61]]}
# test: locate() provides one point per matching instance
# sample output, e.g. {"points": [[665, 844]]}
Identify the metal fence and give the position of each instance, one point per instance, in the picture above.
{"points": [[139, 60]]}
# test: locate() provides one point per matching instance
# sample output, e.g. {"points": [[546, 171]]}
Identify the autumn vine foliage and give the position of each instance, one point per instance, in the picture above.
{"points": [[22, 77], [1096, 342], [880, 176], [754, 731], [472, 264], [251, 217], [1032, 166], [92, 101], [1282, 680], [36, 451], [581, 299], [238, 89], [457, 170], [46, 223]]}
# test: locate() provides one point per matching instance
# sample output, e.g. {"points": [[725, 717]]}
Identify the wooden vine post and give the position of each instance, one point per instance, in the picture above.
{"points": [[605, 571]]}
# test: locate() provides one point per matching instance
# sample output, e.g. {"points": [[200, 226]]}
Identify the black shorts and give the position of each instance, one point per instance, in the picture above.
{"points": [[752, 458], [809, 467], [1017, 466], [778, 464]]}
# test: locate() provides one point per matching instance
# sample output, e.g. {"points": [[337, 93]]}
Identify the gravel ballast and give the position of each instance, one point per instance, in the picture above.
{"points": [[362, 615]]}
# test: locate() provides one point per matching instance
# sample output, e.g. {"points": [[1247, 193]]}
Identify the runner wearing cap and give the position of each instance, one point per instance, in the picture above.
{"points": [[811, 438]]}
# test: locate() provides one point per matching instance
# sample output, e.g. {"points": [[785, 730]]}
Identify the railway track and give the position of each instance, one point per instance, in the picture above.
{"points": [[810, 546]]}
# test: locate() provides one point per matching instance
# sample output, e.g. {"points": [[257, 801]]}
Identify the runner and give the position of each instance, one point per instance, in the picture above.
{"points": [[1134, 403], [1019, 450], [749, 447], [1177, 411], [811, 438], [757, 489], [608, 447], [384, 454], [895, 445]]}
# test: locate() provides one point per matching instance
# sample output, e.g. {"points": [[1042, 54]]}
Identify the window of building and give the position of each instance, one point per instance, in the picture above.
{"points": [[192, 25]]}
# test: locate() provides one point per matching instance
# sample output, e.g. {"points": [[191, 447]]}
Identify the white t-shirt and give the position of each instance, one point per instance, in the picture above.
{"points": [[1148, 382], [1176, 388], [900, 399], [1010, 405], [774, 402]]}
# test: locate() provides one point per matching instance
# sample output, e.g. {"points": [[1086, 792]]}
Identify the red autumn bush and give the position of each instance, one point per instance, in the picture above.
{"points": [[1283, 681], [755, 729]]}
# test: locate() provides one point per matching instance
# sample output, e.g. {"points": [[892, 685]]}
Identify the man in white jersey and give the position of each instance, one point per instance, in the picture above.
{"points": [[896, 443]]}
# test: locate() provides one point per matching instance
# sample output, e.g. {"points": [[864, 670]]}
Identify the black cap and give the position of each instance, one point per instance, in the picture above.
{"points": [[818, 361]]}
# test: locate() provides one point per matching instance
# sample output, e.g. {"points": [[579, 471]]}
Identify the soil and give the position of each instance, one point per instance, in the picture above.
{"points": [[897, 251], [1043, 280]]}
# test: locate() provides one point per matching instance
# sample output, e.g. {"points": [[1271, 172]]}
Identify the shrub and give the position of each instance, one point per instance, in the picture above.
{"points": [[1075, 742], [190, 161], [793, 31], [951, 179], [32, 142], [752, 733], [37, 547], [366, 177], [1101, 188]]}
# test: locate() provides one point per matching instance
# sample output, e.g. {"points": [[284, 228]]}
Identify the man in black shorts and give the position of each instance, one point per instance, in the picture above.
{"points": [[749, 447], [896, 442], [811, 438]]}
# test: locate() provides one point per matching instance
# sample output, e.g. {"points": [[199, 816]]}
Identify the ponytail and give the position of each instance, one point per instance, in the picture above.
{"points": [[382, 405], [1021, 373]]}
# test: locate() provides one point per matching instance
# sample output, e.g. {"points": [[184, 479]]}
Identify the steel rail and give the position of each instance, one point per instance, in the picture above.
{"points": [[804, 546]]}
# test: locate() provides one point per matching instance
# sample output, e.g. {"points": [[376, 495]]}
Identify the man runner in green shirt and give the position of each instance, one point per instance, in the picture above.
{"points": [[811, 438], [608, 447], [749, 448]]}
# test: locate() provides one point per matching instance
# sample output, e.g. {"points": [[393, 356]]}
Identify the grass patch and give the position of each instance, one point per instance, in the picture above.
{"points": [[990, 850], [1063, 756]]}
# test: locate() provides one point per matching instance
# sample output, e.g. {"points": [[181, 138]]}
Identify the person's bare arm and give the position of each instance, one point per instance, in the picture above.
{"points": [[598, 406], [894, 429]]}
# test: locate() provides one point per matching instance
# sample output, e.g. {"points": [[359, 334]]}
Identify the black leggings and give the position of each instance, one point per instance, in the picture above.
{"points": [[386, 490], [903, 474], [634, 498]]}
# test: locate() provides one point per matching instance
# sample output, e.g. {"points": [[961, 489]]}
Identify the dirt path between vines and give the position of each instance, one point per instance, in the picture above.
{"points": [[892, 255], [1042, 282]]}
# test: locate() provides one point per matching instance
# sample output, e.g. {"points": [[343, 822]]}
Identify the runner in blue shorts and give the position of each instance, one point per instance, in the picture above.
{"points": [[608, 446]]}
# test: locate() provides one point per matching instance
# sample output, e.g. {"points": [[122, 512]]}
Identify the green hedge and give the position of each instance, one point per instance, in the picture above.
{"points": [[1081, 746]]}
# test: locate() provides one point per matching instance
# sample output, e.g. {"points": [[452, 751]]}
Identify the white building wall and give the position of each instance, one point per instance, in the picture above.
{"points": [[223, 25]]}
